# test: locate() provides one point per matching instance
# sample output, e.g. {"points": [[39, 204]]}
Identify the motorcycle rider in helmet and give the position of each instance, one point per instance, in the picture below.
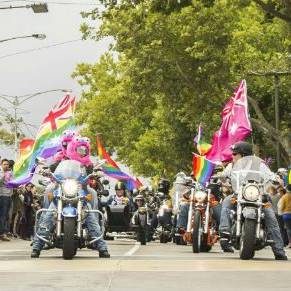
{"points": [[120, 197], [239, 150], [46, 223]]}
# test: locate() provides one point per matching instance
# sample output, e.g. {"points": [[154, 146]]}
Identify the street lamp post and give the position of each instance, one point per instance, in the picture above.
{"points": [[16, 102], [35, 35], [36, 8], [276, 76]]}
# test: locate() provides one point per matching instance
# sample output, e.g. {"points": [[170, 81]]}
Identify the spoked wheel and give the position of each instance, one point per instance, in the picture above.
{"points": [[197, 234]]}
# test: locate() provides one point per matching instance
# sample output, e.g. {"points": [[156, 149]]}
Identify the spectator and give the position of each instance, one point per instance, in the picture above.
{"points": [[284, 209], [27, 220], [5, 199]]}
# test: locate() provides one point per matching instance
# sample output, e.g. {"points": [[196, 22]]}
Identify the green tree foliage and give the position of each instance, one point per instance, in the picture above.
{"points": [[172, 65]]}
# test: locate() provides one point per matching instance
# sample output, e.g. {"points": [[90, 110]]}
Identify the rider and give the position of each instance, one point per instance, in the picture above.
{"points": [[120, 197], [239, 150], [185, 202], [78, 149]]}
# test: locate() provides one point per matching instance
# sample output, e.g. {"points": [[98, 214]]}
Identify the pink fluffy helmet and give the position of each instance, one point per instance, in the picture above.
{"points": [[79, 150], [65, 140]]}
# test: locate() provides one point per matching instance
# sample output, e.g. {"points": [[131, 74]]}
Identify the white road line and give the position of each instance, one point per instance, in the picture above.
{"points": [[14, 250], [132, 250]]}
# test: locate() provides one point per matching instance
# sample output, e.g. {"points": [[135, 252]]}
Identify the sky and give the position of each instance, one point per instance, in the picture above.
{"points": [[45, 69]]}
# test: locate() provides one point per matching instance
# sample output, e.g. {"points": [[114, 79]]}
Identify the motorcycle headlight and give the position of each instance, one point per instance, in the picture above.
{"points": [[200, 196], [251, 193], [70, 188]]}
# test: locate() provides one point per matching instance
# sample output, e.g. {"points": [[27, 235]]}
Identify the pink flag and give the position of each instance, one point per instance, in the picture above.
{"points": [[235, 125]]}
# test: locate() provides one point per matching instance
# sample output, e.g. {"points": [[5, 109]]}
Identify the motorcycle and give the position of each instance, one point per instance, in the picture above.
{"points": [[165, 225], [201, 227], [249, 232], [71, 209]]}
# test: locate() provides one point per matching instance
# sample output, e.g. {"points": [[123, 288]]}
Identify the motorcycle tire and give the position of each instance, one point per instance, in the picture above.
{"points": [[163, 238], [196, 234], [142, 236], [204, 246], [142, 229], [69, 247], [180, 241], [248, 239]]}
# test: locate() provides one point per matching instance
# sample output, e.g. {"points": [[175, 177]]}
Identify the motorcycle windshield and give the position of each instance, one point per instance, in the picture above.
{"points": [[178, 191], [246, 169], [69, 169]]}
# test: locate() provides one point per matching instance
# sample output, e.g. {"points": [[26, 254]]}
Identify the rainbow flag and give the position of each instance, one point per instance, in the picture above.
{"points": [[202, 147], [47, 141], [202, 168], [111, 169]]}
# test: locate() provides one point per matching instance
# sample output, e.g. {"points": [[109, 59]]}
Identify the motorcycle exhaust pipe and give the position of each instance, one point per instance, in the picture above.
{"points": [[190, 211], [238, 222], [79, 219], [207, 213], [59, 217]]}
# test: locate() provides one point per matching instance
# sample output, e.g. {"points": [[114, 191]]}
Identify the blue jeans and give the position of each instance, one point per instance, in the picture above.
{"points": [[46, 226], [183, 214], [273, 230], [5, 204]]}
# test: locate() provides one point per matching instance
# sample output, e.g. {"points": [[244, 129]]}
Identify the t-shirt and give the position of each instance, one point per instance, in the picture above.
{"points": [[4, 178]]}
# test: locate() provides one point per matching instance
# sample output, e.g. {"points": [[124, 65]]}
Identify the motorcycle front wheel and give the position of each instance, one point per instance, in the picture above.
{"points": [[248, 239], [197, 232], [69, 247], [142, 229]]}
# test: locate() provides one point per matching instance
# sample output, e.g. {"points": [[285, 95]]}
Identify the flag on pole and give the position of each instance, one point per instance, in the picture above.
{"points": [[47, 141], [111, 169], [202, 168], [25, 146], [202, 147], [235, 125]]}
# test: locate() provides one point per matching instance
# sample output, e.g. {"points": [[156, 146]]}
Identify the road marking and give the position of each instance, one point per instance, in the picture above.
{"points": [[132, 250]]}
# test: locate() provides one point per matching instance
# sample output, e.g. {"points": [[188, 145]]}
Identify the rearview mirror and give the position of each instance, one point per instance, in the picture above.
{"points": [[105, 182]]}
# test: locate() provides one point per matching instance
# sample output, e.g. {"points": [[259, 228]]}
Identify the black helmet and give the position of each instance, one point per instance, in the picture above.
{"points": [[243, 148], [120, 186], [164, 186]]}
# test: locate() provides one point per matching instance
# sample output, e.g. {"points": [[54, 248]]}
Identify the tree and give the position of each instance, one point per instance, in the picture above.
{"points": [[172, 65]]}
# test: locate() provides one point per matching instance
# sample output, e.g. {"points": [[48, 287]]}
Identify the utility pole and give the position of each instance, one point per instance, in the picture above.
{"points": [[276, 75]]}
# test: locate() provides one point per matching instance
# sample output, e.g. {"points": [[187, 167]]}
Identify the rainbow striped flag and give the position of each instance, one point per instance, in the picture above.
{"points": [[202, 147], [47, 141], [202, 168], [111, 169]]}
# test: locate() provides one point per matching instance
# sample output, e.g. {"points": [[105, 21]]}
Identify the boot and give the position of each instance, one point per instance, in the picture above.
{"points": [[35, 254], [4, 237], [281, 257], [104, 254], [225, 242]]}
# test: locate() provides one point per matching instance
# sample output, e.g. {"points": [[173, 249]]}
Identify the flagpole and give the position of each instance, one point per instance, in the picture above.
{"points": [[16, 102]]}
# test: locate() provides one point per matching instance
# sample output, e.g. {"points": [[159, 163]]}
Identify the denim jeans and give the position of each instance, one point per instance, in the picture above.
{"points": [[287, 224], [5, 204], [273, 230], [46, 226]]}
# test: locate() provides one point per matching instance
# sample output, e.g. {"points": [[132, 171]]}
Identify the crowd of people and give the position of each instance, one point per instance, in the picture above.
{"points": [[18, 206]]}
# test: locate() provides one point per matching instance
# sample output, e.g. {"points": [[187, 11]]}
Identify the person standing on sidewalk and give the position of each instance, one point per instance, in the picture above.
{"points": [[5, 198], [284, 208]]}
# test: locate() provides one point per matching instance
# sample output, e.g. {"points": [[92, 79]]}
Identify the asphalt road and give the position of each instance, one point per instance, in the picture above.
{"points": [[134, 267]]}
